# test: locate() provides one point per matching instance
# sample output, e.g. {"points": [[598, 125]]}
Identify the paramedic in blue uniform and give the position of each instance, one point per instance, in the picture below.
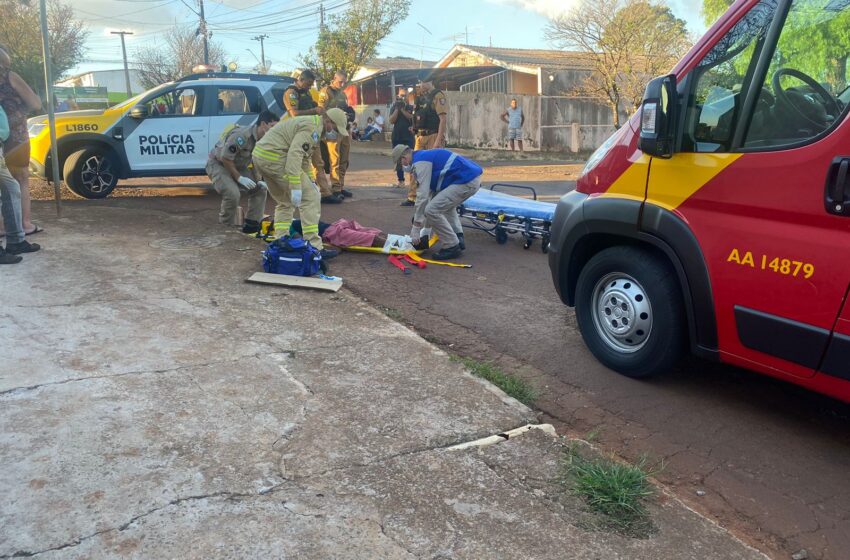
{"points": [[443, 180]]}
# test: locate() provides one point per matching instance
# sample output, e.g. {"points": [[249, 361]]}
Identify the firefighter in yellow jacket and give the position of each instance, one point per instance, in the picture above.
{"points": [[283, 158]]}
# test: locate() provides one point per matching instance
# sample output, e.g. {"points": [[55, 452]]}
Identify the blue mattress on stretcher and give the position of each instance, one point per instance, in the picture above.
{"points": [[486, 200]]}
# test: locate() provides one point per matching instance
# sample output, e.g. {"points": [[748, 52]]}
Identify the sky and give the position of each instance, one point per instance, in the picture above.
{"points": [[429, 31]]}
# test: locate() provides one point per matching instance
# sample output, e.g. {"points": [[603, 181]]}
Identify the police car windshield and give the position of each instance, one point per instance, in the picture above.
{"points": [[137, 98]]}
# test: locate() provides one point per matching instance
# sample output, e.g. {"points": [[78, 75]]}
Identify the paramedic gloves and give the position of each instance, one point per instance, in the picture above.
{"points": [[263, 185], [414, 234], [247, 182], [295, 197]]}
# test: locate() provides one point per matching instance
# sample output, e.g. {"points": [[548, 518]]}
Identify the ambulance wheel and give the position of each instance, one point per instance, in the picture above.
{"points": [[501, 236], [630, 311], [91, 173]]}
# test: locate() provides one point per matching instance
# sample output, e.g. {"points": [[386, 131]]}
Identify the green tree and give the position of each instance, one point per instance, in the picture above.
{"points": [[352, 38], [20, 35], [713, 9], [626, 44], [815, 39]]}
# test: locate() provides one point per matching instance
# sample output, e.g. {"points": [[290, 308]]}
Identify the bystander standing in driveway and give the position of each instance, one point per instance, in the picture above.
{"points": [[18, 100], [515, 118], [401, 117], [10, 207]]}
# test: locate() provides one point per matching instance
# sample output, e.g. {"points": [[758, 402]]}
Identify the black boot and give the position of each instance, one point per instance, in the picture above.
{"points": [[6, 258], [22, 247], [447, 253], [250, 227], [332, 199], [461, 243]]}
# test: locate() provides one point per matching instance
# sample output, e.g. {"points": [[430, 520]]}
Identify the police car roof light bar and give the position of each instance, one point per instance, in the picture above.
{"points": [[240, 76]]}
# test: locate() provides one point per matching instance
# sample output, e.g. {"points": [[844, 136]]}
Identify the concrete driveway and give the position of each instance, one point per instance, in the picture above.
{"points": [[155, 405]]}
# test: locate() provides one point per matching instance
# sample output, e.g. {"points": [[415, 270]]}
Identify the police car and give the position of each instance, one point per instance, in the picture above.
{"points": [[166, 131]]}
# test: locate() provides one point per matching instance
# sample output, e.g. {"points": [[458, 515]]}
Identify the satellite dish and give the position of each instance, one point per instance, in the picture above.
{"points": [[232, 66]]}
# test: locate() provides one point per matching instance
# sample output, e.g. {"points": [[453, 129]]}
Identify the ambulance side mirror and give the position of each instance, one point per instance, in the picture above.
{"points": [[658, 117], [139, 112]]}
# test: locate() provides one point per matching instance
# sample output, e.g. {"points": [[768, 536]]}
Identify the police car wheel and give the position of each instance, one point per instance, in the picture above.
{"points": [[91, 173], [630, 311]]}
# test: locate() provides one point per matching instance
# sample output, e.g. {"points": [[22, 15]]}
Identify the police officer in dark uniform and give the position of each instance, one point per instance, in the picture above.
{"points": [[297, 99], [429, 122], [332, 96], [300, 103]]}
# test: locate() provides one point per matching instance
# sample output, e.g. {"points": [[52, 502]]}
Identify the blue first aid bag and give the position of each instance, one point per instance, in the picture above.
{"points": [[292, 256]]}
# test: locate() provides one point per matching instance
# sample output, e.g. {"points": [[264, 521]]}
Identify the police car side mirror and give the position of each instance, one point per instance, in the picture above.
{"points": [[658, 117], [139, 112]]}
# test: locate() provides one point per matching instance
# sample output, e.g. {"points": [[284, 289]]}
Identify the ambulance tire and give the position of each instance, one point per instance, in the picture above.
{"points": [[626, 282], [91, 173]]}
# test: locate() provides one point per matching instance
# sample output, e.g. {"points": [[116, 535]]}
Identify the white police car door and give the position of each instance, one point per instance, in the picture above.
{"points": [[233, 105], [174, 135]]}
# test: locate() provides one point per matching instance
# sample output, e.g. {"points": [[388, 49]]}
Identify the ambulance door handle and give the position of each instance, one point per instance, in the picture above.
{"points": [[196, 130], [837, 189]]}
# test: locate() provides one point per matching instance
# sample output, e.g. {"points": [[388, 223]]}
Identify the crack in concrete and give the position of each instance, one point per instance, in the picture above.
{"points": [[394, 540], [122, 527], [416, 451], [140, 372]]}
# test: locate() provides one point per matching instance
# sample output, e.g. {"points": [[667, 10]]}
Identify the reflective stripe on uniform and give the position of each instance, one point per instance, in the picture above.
{"points": [[310, 229], [265, 154], [282, 226], [445, 170], [293, 179]]}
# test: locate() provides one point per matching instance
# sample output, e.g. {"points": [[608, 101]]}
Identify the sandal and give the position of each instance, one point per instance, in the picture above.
{"points": [[38, 229]]}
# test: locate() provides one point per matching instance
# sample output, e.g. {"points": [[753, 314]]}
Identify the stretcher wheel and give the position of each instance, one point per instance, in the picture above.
{"points": [[544, 246], [527, 243], [501, 236]]}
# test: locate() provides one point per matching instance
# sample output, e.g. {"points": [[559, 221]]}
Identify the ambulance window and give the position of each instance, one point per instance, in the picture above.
{"points": [[237, 101], [180, 102], [721, 81], [805, 90]]}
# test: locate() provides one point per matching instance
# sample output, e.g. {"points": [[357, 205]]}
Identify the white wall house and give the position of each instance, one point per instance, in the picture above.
{"points": [[112, 80]]}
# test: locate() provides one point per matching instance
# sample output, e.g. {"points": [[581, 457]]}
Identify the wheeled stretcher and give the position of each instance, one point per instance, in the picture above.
{"points": [[501, 214]]}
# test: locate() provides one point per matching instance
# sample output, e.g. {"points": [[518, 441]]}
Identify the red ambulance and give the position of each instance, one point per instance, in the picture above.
{"points": [[718, 218]]}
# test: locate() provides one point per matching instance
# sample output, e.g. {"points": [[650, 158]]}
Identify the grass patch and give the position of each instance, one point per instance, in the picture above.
{"points": [[393, 314], [616, 491], [513, 386]]}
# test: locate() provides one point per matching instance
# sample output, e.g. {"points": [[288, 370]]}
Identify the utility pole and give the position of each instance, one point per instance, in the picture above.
{"points": [[322, 17], [203, 30], [51, 104], [422, 52], [261, 38], [124, 52], [466, 29]]}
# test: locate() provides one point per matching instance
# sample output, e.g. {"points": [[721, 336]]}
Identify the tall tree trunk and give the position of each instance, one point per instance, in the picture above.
{"points": [[615, 114]]}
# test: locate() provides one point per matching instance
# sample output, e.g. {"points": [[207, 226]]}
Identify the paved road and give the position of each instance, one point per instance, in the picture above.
{"points": [[772, 459]]}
